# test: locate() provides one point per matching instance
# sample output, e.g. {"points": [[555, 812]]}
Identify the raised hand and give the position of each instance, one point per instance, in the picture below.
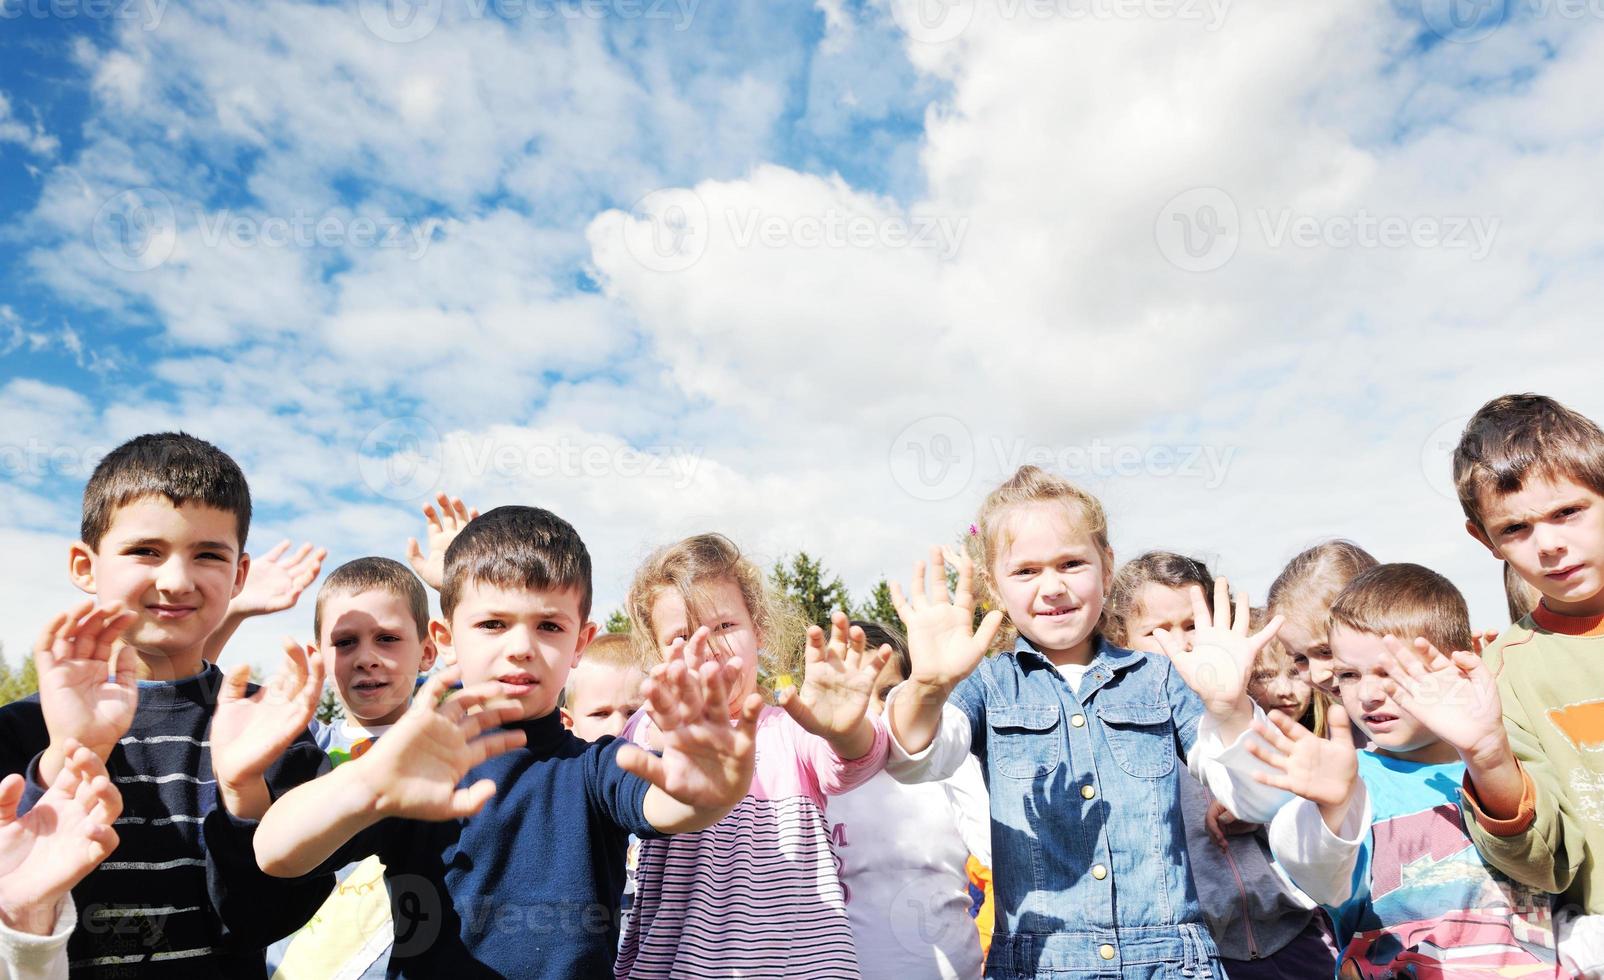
{"points": [[443, 527], [1221, 656], [274, 583], [1323, 771], [707, 761], [44, 853], [837, 685], [1454, 696], [413, 771], [943, 643], [251, 731], [88, 682], [1482, 639]]}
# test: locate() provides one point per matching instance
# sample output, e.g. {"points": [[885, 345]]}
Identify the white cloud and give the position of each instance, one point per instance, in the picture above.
{"points": [[30, 136]]}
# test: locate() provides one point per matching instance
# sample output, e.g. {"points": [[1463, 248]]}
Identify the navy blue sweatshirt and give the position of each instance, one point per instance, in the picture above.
{"points": [[181, 896], [528, 887]]}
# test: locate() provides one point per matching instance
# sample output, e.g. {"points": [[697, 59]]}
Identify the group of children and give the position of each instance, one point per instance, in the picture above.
{"points": [[1158, 779]]}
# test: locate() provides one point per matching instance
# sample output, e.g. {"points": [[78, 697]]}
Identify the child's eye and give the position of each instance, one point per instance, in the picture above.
{"points": [[1300, 661], [1513, 529], [550, 627], [389, 638], [600, 714], [490, 624], [722, 627], [343, 642], [141, 552], [214, 556], [1190, 627], [1024, 572]]}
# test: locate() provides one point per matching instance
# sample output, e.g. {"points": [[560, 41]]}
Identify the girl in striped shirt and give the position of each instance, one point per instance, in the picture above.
{"points": [[757, 894]]}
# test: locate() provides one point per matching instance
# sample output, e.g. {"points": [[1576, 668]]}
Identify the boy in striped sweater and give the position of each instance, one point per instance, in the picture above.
{"points": [[196, 754]]}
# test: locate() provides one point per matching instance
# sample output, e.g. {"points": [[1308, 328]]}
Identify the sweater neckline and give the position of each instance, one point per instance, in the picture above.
{"points": [[1555, 622]]}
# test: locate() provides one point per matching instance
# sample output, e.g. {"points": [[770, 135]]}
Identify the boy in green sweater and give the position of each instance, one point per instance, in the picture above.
{"points": [[1530, 476]]}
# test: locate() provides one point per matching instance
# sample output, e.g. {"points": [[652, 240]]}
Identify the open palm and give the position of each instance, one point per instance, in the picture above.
{"points": [[1321, 770], [443, 526], [943, 643], [48, 850], [88, 687], [1455, 697], [274, 583], [837, 681], [706, 761], [251, 731], [1220, 658]]}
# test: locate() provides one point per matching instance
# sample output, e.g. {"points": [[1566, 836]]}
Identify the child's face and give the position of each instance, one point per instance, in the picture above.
{"points": [[371, 648], [525, 639], [1051, 577], [1278, 685], [1357, 659], [733, 632], [601, 699], [176, 567], [1551, 531], [1159, 607], [890, 676], [1311, 654]]}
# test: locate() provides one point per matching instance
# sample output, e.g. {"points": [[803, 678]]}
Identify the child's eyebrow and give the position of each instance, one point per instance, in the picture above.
{"points": [[215, 546]]}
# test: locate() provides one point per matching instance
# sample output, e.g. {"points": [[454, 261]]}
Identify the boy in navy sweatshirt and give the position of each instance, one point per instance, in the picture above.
{"points": [[519, 871], [162, 543]]}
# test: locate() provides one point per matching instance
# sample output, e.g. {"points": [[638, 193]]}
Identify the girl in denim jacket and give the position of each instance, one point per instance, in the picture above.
{"points": [[1078, 739]]}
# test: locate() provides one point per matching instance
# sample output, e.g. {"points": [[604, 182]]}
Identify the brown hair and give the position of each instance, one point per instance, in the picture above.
{"points": [[686, 566], [175, 465], [1314, 717], [1158, 568], [1029, 485], [1306, 587], [374, 575], [1513, 437], [1406, 601], [517, 548]]}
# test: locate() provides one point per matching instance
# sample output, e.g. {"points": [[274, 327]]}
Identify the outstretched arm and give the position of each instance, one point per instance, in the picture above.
{"points": [[1220, 658], [442, 527], [88, 686], [251, 731]]}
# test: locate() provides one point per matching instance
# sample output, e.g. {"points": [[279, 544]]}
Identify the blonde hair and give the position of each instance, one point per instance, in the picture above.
{"points": [[610, 650], [687, 567], [1519, 594], [1314, 717], [1028, 486], [1306, 588]]}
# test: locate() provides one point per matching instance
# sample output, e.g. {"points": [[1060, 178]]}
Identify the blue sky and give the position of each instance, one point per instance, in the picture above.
{"points": [[764, 262]]}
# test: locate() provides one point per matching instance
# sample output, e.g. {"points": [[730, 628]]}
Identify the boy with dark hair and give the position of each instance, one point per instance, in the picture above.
{"points": [[165, 519], [519, 872], [1378, 837]]}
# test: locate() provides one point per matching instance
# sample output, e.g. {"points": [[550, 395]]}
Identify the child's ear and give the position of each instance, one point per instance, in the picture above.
{"points": [[243, 570], [568, 719], [430, 651], [1474, 528], [81, 567], [586, 634], [440, 636]]}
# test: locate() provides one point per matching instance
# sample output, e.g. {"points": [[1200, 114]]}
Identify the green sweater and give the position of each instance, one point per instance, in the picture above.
{"points": [[1551, 680]]}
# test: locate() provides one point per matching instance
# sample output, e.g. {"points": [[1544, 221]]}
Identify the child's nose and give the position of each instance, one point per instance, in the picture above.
{"points": [[173, 577]]}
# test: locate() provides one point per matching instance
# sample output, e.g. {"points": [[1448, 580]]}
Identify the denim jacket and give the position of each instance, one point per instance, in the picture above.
{"points": [[1089, 849]]}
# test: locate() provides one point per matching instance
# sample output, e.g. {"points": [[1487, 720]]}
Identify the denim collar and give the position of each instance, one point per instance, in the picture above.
{"points": [[1108, 661]]}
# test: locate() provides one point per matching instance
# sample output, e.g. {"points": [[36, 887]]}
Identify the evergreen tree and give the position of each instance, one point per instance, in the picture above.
{"points": [[815, 591], [617, 622]]}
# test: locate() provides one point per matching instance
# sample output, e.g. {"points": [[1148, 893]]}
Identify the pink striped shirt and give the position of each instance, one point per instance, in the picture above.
{"points": [[758, 893]]}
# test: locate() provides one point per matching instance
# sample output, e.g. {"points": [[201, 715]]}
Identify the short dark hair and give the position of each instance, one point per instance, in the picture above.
{"points": [[175, 465], [1516, 436], [517, 547], [1406, 601], [880, 634], [374, 575]]}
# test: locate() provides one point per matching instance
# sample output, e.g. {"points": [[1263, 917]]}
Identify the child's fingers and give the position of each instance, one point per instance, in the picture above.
{"points": [[234, 683], [1222, 604], [938, 575], [10, 797], [274, 552], [124, 667], [44, 648], [434, 689], [1268, 633], [1274, 760], [1467, 662], [467, 802], [300, 554], [1239, 625], [638, 762], [716, 699], [989, 625], [1429, 653], [113, 621], [1169, 643], [813, 651], [1293, 731], [881, 657], [900, 603], [965, 596], [1272, 736], [1201, 617], [1275, 780], [492, 745], [1340, 727], [414, 553], [433, 518]]}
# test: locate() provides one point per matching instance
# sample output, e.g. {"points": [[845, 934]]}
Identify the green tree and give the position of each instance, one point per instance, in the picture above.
{"points": [[815, 591], [329, 708], [19, 683], [877, 608], [617, 622]]}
